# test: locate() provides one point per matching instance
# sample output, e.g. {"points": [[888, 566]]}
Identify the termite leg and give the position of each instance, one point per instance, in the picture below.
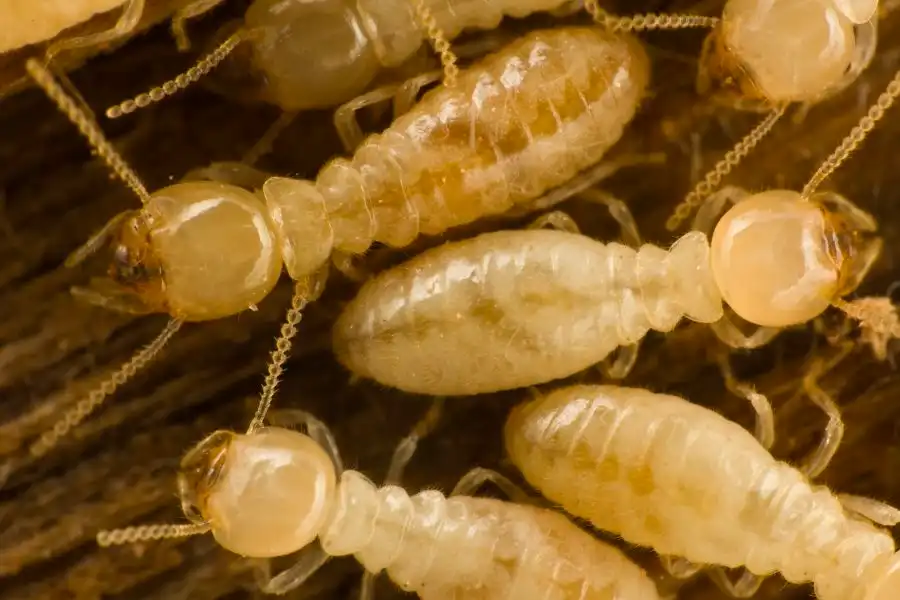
{"points": [[316, 429], [348, 265], [195, 9], [345, 122], [708, 214], [408, 92], [764, 430], [132, 11], [310, 560], [233, 173], [876, 511], [678, 567], [264, 145], [729, 333], [746, 586], [626, 357], [407, 446], [472, 481], [555, 220], [819, 458]]}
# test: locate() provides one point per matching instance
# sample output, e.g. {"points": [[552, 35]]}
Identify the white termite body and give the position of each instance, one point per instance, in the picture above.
{"points": [[516, 308], [679, 478]]}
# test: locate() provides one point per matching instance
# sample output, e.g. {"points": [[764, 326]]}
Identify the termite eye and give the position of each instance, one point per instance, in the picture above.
{"points": [[771, 259], [273, 494]]}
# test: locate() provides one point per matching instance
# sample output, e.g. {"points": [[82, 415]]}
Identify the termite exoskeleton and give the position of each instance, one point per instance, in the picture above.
{"points": [[275, 491], [519, 123], [665, 473], [511, 309]]}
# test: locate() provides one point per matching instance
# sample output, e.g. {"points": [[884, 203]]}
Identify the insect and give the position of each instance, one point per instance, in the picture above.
{"points": [[206, 250], [665, 473], [517, 308], [274, 491], [318, 54]]}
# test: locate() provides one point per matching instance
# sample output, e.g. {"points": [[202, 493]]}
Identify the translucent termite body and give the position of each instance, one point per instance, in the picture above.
{"points": [[25, 22], [665, 473], [788, 51], [518, 123], [516, 308], [275, 491]]}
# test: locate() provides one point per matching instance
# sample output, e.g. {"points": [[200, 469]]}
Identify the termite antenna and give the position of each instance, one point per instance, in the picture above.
{"points": [[306, 289], [88, 128], [127, 21], [95, 398], [855, 137], [195, 9], [732, 158], [648, 21], [148, 533], [438, 41], [169, 88]]}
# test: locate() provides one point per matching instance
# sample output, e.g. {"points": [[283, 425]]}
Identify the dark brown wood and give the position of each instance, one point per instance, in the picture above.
{"points": [[119, 468]]}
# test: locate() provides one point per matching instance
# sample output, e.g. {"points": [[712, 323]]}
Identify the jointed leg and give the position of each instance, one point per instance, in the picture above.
{"points": [[621, 366], [345, 121], [408, 92], [728, 333], [619, 211], [348, 265], [127, 21], [746, 586], [190, 11], [555, 220], [713, 207], [310, 560], [232, 173], [679, 568], [764, 429], [316, 429], [407, 446], [876, 511], [477, 477], [264, 145], [819, 458]]}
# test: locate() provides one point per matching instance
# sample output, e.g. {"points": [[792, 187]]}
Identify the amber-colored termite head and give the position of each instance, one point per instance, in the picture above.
{"points": [[264, 494], [724, 78], [314, 53], [780, 259]]}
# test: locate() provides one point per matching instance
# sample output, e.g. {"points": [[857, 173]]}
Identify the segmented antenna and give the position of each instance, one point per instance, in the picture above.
{"points": [[148, 533], [855, 137], [438, 41], [648, 21], [169, 88], [94, 399], [732, 158], [88, 128], [306, 290]]}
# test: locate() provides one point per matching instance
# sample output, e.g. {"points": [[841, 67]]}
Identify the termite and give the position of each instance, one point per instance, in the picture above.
{"points": [[519, 123], [275, 491], [668, 474], [510, 309], [323, 53]]}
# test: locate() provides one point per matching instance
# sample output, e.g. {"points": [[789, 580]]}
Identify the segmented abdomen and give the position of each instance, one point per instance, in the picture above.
{"points": [[665, 473], [477, 548], [515, 308], [522, 121]]}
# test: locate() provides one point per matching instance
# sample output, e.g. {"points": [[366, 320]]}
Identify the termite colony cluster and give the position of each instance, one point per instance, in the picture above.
{"points": [[490, 135]]}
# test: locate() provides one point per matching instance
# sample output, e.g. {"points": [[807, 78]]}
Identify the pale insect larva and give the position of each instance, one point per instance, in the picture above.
{"points": [[668, 474], [321, 53], [25, 22], [276, 491], [511, 309], [521, 122]]}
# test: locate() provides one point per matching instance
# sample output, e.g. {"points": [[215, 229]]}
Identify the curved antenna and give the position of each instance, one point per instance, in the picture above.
{"points": [[195, 9], [648, 21], [128, 20], [148, 533], [438, 41], [95, 398], [180, 82], [855, 137], [732, 158], [306, 290], [88, 128]]}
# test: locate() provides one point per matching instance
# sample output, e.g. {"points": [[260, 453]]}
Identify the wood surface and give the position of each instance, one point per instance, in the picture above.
{"points": [[118, 469]]}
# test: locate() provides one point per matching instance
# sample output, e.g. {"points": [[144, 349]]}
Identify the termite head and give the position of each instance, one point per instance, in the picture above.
{"points": [[263, 494], [779, 52], [724, 77], [781, 260], [198, 251], [314, 53]]}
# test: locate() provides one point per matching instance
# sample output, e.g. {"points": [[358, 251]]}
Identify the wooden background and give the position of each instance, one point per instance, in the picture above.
{"points": [[119, 468]]}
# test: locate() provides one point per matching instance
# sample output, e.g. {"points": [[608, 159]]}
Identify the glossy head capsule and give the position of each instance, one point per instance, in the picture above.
{"points": [[264, 494], [199, 251], [780, 260]]}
